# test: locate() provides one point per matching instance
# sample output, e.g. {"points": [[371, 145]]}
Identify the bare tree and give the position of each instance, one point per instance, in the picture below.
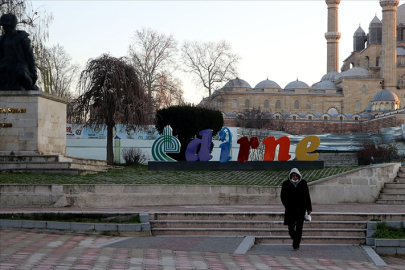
{"points": [[58, 74], [211, 63], [168, 91], [253, 118], [152, 55], [112, 93]]}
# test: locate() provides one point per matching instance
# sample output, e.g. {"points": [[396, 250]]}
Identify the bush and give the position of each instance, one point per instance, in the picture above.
{"points": [[187, 121], [388, 232], [133, 156], [370, 153]]}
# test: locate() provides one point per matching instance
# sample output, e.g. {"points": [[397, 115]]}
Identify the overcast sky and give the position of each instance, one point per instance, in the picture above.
{"points": [[281, 40]]}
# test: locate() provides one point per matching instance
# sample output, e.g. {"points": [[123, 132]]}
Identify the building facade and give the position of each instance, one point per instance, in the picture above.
{"points": [[371, 80]]}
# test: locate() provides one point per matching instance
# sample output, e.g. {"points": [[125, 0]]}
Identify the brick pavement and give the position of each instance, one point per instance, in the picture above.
{"points": [[31, 250]]}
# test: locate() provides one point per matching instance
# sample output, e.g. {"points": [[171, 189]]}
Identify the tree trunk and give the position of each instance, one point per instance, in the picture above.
{"points": [[110, 151]]}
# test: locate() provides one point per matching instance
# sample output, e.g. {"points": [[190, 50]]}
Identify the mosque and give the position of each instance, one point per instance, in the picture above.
{"points": [[370, 82]]}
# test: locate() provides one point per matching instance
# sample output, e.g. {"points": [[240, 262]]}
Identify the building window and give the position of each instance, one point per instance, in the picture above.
{"points": [[296, 104], [247, 104], [367, 61], [277, 117], [402, 61], [341, 118], [278, 104], [356, 118], [377, 61], [294, 117], [364, 90], [309, 117], [357, 105], [325, 118], [308, 105], [234, 103], [266, 104]]}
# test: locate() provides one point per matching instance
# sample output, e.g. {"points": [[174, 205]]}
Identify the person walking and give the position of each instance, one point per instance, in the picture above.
{"points": [[296, 200]]}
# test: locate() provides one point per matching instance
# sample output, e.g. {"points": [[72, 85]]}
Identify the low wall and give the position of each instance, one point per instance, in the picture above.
{"points": [[359, 186]]}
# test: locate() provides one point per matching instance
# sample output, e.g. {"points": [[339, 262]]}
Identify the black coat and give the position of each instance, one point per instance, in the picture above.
{"points": [[296, 201]]}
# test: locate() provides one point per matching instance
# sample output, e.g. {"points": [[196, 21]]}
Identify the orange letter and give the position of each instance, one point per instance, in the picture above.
{"points": [[270, 147], [301, 152]]}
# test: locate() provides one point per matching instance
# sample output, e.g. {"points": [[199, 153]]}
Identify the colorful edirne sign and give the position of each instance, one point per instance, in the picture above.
{"points": [[170, 144], [165, 144]]}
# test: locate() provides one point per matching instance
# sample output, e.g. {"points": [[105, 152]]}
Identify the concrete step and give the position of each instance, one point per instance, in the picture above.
{"points": [[393, 191], [257, 232], [83, 161], [53, 171], [392, 196], [273, 216], [394, 185], [401, 174], [311, 240], [385, 201], [399, 180], [50, 165], [37, 158], [253, 224]]}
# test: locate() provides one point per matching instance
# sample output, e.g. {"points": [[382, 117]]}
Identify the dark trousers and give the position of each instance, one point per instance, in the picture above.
{"points": [[295, 231]]}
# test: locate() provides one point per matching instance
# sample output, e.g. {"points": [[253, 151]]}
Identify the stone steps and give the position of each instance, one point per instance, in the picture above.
{"points": [[392, 196], [391, 202], [158, 224], [51, 164], [394, 192], [326, 228], [311, 240], [258, 232], [276, 216]]}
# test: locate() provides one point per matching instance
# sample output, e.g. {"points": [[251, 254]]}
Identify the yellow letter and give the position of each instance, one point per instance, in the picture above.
{"points": [[301, 152]]}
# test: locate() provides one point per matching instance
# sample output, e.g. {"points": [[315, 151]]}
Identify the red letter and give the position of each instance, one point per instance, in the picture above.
{"points": [[270, 147], [244, 149]]}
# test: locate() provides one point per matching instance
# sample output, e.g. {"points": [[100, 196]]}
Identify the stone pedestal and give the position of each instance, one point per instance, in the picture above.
{"points": [[32, 123]]}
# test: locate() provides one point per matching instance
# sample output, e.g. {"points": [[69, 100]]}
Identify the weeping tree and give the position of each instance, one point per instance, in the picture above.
{"points": [[111, 93]]}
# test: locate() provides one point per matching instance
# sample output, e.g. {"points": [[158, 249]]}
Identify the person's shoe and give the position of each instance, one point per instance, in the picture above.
{"points": [[296, 248]]}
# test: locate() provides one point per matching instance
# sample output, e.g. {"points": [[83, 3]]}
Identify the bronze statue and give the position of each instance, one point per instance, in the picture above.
{"points": [[17, 62]]}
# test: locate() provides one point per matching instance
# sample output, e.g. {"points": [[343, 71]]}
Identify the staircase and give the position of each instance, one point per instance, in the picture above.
{"points": [[394, 193], [52, 164], [326, 228]]}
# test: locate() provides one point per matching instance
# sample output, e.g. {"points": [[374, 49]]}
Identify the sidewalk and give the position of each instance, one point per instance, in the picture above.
{"points": [[34, 250], [31, 250]]}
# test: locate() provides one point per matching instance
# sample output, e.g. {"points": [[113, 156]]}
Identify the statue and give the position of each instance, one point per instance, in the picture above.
{"points": [[17, 63]]}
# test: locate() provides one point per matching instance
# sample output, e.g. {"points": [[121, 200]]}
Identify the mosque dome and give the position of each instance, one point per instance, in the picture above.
{"points": [[237, 83], [267, 84], [355, 72], [330, 76], [401, 14], [400, 51], [325, 85], [296, 85], [385, 95], [359, 32], [368, 108]]}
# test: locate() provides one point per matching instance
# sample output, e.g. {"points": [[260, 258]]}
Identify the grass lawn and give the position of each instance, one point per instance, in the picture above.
{"points": [[139, 175]]}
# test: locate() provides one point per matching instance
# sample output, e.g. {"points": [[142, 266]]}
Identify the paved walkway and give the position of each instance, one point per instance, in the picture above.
{"points": [[31, 250], [34, 250]]}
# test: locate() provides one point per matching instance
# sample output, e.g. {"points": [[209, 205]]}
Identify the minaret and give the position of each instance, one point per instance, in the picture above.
{"points": [[389, 46], [333, 36]]}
